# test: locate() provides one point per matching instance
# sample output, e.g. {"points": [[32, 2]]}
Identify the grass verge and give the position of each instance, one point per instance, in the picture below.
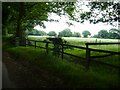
{"points": [[73, 75]]}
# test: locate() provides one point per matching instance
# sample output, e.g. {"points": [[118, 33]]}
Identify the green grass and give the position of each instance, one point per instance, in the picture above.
{"points": [[80, 52], [81, 42], [74, 75]]}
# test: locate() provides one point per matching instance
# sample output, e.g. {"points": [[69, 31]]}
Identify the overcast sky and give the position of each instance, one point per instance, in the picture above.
{"points": [[77, 27]]}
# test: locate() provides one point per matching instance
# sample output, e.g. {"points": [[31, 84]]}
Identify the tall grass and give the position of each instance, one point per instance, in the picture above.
{"points": [[74, 75]]}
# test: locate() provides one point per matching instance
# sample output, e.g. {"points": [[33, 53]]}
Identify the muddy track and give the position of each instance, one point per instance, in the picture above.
{"points": [[24, 75]]}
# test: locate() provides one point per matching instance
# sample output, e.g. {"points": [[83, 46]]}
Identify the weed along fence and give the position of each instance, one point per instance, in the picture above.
{"points": [[87, 59]]}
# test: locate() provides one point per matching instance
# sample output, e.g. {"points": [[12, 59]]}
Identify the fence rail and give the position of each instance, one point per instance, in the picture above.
{"points": [[105, 51], [88, 57], [102, 56], [105, 43]]}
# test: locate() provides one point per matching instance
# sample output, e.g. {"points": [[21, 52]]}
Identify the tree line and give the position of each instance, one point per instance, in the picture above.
{"points": [[19, 16], [111, 34], [65, 33]]}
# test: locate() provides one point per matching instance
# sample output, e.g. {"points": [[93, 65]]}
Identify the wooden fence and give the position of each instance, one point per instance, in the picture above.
{"points": [[88, 58]]}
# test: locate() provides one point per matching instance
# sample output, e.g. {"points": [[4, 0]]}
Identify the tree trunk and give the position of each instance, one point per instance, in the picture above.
{"points": [[4, 31], [19, 30]]}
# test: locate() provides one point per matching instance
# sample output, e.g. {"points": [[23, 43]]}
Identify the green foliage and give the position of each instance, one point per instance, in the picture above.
{"points": [[86, 33], [103, 34], [101, 12], [114, 33], [52, 33], [73, 75], [95, 36], [65, 33], [37, 32], [76, 34], [26, 15]]}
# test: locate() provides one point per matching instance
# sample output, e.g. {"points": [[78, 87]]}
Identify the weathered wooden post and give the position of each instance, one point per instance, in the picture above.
{"points": [[26, 42], [96, 41], [56, 42], [87, 56], [17, 41], [62, 50]]}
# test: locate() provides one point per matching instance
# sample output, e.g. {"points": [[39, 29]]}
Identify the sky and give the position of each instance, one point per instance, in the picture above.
{"points": [[77, 27]]}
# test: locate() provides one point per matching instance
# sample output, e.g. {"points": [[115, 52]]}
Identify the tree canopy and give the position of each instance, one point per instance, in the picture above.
{"points": [[52, 33], [76, 34], [26, 15], [21, 16], [113, 33], [86, 33], [65, 33], [103, 34], [105, 12]]}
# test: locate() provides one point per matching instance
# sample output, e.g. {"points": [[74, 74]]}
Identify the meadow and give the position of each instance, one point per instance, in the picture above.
{"points": [[81, 52], [81, 42], [72, 74]]}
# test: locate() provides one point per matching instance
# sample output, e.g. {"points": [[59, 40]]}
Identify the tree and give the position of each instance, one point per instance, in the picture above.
{"points": [[26, 15], [95, 36], [103, 34], [31, 32], [86, 33], [106, 12], [76, 34], [52, 33], [42, 33], [65, 33], [114, 33]]}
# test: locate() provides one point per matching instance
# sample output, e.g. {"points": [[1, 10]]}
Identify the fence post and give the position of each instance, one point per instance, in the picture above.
{"points": [[35, 44], [46, 47], [26, 43], [17, 40], [87, 57], [62, 50]]}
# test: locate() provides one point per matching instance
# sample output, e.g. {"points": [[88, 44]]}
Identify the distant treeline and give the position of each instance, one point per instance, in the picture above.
{"points": [[64, 33], [111, 34]]}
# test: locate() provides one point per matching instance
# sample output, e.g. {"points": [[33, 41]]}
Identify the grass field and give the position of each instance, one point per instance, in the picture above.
{"points": [[72, 75], [81, 42]]}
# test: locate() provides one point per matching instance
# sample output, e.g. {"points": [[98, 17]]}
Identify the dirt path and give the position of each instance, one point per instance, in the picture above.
{"points": [[24, 75]]}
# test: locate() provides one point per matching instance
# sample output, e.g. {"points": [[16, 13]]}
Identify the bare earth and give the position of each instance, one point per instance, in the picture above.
{"points": [[22, 75]]}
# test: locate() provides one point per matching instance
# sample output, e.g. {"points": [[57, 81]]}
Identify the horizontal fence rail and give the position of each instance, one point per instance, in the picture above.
{"points": [[74, 46], [91, 58], [88, 57], [103, 43], [73, 55], [102, 56], [105, 51]]}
